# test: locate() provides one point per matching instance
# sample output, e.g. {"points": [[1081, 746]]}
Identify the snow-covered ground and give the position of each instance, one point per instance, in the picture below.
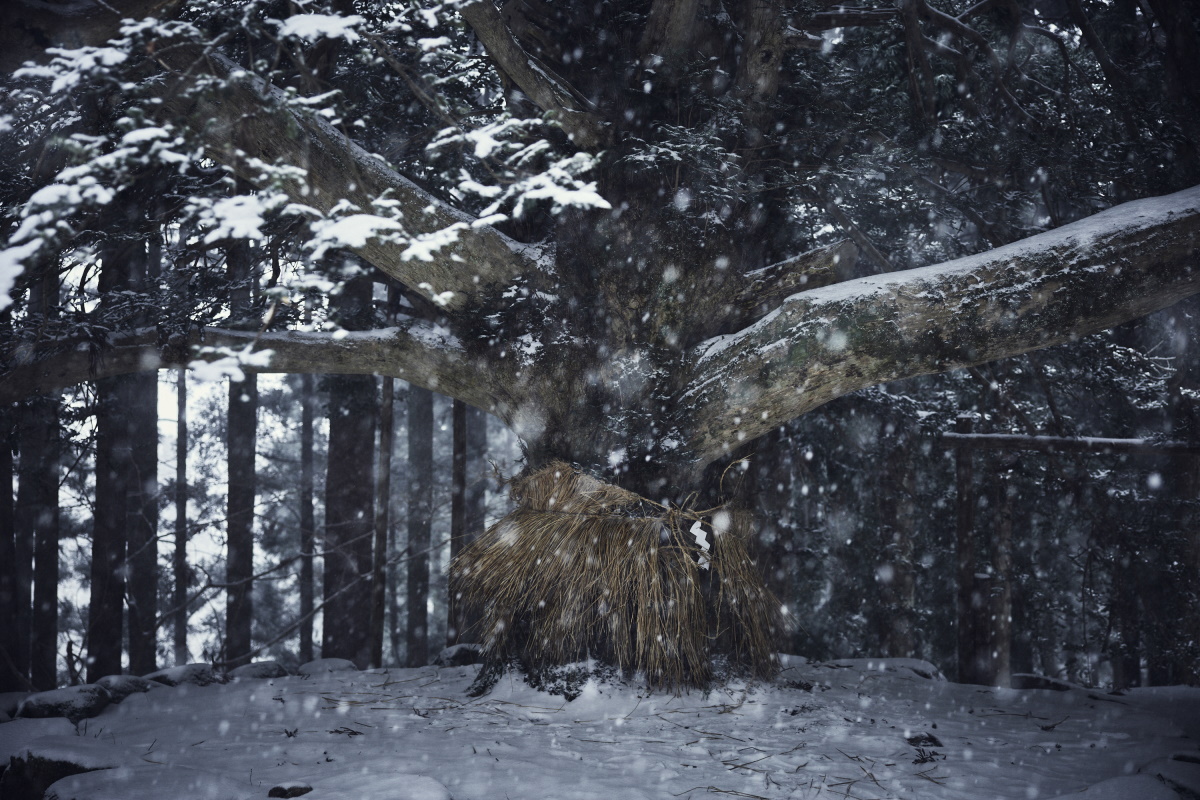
{"points": [[845, 729]]}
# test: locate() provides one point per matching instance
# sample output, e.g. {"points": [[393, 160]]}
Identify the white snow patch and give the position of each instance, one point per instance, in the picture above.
{"points": [[311, 27], [229, 364]]}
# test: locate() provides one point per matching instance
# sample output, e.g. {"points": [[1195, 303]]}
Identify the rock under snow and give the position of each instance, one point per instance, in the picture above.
{"points": [[259, 670], [121, 686], [151, 782], [48, 759], [1127, 787], [459, 655], [9, 702], [289, 789], [15, 735], [325, 665], [73, 702], [1180, 771], [197, 674]]}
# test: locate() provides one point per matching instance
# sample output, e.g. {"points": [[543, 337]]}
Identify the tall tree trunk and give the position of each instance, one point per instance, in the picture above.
{"points": [[180, 562], [239, 571], [104, 632], [896, 575], [458, 510], [143, 498], [383, 495], [965, 558], [142, 514], [1000, 652], [474, 503], [1125, 645], [37, 504], [12, 679], [242, 432], [420, 521], [307, 525], [349, 495]]}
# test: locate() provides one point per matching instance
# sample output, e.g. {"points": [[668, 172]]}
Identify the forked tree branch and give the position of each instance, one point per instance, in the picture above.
{"points": [[1052, 288], [536, 80]]}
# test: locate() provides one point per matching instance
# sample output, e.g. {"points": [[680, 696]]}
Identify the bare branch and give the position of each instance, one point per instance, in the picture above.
{"points": [[1123, 263], [251, 121], [422, 354], [844, 17]]}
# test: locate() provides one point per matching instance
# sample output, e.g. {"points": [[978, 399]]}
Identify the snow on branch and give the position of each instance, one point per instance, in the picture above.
{"points": [[252, 124], [1052, 288]]}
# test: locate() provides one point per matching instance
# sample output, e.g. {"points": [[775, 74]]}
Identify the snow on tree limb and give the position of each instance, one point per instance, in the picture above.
{"points": [[250, 124], [820, 344], [423, 354]]}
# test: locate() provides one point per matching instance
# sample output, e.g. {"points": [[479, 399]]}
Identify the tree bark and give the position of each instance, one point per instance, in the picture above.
{"points": [[179, 559], [37, 504], [896, 575], [458, 511], [1051, 288], [349, 495], [142, 514], [241, 450], [104, 632], [964, 560], [1000, 606], [251, 120], [308, 536], [420, 522], [12, 678], [242, 438], [383, 497]]}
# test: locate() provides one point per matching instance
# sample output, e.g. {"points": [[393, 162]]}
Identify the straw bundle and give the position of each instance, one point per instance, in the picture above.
{"points": [[584, 569]]}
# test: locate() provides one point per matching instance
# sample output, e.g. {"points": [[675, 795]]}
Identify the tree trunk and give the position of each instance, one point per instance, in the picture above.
{"points": [[349, 496], [1125, 647], [37, 504], [104, 634], [242, 444], [142, 514], [383, 497], [12, 679], [239, 571], [1000, 650], [420, 521], [965, 558], [458, 511], [180, 561], [896, 574], [307, 525]]}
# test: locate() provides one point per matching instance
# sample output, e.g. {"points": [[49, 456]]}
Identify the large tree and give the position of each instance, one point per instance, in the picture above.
{"points": [[645, 232]]}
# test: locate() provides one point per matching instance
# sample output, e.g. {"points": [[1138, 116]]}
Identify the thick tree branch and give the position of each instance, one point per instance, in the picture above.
{"points": [[1052, 288], [423, 354], [249, 120], [544, 88], [766, 288]]}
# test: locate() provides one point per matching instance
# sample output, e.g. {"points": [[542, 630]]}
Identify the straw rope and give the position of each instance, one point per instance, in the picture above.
{"points": [[584, 569]]}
